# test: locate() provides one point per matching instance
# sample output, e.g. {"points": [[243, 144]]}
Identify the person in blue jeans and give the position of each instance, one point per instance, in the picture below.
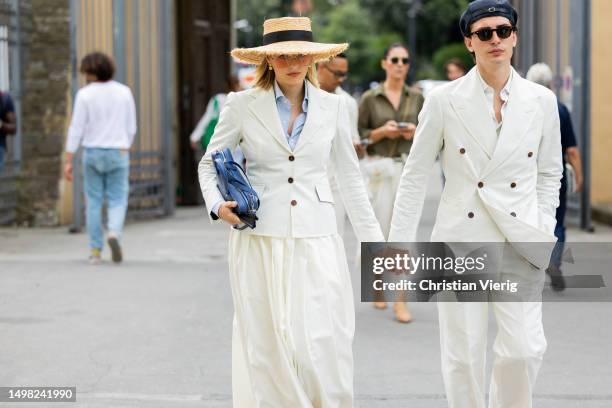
{"points": [[8, 123], [104, 123]]}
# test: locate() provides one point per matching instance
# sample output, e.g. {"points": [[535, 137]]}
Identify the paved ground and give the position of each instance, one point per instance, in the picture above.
{"points": [[155, 331]]}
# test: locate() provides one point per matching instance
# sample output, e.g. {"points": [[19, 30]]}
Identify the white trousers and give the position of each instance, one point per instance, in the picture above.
{"points": [[383, 180], [518, 348], [294, 322]]}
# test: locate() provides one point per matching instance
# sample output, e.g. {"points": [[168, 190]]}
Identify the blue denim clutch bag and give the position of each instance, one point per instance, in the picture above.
{"points": [[234, 185]]}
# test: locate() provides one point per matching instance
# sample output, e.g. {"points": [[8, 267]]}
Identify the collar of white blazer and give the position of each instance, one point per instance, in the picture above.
{"points": [[469, 102], [263, 107]]}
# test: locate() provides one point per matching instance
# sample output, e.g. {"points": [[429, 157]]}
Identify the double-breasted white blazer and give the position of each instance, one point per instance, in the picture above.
{"points": [[509, 193], [293, 186]]}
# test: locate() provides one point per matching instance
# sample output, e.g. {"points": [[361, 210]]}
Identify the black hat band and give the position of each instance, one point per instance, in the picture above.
{"points": [[287, 35]]}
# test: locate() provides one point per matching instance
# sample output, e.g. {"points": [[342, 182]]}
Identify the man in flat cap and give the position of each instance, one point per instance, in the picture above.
{"points": [[498, 138]]}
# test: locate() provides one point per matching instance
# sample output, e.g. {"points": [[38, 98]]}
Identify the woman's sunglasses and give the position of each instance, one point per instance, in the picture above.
{"points": [[296, 59], [395, 60], [485, 34]]}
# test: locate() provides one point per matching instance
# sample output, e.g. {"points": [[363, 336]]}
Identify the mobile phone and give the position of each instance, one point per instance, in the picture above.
{"points": [[365, 142], [402, 125]]}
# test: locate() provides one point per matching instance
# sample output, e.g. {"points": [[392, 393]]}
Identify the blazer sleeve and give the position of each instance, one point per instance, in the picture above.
{"points": [[227, 134], [413, 183], [550, 166], [350, 181], [353, 110]]}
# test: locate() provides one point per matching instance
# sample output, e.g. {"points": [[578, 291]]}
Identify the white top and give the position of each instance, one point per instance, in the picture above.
{"points": [[104, 116], [490, 94], [353, 110], [209, 114]]}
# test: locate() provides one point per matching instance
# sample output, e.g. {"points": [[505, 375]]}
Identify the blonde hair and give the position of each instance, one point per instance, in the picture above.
{"points": [[264, 77]]}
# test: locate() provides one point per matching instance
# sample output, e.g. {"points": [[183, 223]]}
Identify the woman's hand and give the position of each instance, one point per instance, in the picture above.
{"points": [[391, 130], [226, 214], [408, 131], [359, 149]]}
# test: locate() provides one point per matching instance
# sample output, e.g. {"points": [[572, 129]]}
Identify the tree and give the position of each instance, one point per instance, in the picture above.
{"points": [[256, 12], [369, 26], [447, 52], [349, 22]]}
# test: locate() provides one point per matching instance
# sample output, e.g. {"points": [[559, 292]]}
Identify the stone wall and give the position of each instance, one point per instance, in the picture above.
{"points": [[46, 85]]}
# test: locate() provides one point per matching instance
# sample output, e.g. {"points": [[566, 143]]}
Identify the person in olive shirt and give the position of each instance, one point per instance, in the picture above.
{"points": [[388, 116]]}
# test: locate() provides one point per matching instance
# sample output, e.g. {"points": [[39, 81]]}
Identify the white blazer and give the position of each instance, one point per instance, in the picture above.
{"points": [[295, 196], [509, 194]]}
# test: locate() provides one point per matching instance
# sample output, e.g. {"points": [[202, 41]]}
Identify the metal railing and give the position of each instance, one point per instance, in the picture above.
{"points": [[142, 46]]}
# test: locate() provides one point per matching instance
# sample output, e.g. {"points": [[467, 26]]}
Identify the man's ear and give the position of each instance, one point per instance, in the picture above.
{"points": [[468, 43]]}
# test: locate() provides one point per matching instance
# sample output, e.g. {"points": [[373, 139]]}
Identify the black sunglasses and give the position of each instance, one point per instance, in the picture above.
{"points": [[395, 60], [338, 74], [485, 34]]}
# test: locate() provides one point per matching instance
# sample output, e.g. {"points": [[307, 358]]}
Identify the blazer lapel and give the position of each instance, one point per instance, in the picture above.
{"points": [[314, 116], [264, 109], [517, 118], [470, 105]]}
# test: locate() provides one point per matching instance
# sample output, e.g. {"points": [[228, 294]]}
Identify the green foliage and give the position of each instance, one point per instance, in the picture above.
{"points": [[369, 26], [426, 70], [349, 22], [256, 12], [447, 52]]}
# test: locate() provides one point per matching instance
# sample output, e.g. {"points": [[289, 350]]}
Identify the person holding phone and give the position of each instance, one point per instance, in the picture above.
{"points": [[294, 315], [388, 116]]}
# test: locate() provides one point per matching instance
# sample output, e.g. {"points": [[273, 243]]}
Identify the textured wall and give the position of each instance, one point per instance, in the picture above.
{"points": [[46, 85]]}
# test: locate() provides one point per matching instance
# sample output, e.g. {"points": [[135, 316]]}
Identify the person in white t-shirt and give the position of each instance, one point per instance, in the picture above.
{"points": [[104, 123]]}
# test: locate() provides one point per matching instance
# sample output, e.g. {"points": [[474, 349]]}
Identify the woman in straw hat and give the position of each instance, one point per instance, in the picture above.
{"points": [[291, 289]]}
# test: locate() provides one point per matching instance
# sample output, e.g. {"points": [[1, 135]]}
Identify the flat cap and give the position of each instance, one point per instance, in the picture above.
{"points": [[486, 8]]}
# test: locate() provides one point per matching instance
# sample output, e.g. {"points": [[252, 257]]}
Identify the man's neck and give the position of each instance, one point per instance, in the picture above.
{"points": [[327, 88], [496, 77], [393, 84]]}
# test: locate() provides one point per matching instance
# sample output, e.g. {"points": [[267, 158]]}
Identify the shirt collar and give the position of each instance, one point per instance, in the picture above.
{"points": [[505, 92], [380, 89], [280, 96]]}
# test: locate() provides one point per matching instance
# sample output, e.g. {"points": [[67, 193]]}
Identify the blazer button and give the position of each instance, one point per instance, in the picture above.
{"points": [[462, 150], [290, 180], [513, 214], [512, 185], [291, 158], [529, 154], [293, 203], [470, 215], [480, 184]]}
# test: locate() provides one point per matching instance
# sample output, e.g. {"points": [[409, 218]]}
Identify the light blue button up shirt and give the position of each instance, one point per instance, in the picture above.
{"points": [[284, 112]]}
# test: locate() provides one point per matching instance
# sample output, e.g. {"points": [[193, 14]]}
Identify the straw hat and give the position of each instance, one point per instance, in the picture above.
{"points": [[288, 36]]}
